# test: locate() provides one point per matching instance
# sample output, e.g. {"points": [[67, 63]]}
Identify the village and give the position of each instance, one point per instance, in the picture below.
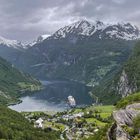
{"points": [[73, 123]]}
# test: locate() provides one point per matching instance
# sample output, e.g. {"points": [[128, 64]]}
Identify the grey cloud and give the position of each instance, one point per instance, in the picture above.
{"points": [[26, 19]]}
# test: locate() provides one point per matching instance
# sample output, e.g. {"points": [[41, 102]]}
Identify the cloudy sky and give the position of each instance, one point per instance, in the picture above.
{"points": [[26, 19]]}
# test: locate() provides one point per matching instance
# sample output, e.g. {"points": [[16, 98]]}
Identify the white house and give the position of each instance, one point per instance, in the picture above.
{"points": [[80, 114], [38, 123]]}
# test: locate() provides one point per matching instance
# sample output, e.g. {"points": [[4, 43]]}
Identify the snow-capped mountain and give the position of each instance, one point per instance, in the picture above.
{"points": [[84, 51], [39, 39], [11, 49], [99, 29], [11, 43], [85, 29], [124, 31], [78, 48]]}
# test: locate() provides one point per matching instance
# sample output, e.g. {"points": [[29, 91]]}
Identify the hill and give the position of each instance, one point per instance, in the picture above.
{"points": [[13, 126], [124, 82], [14, 82]]}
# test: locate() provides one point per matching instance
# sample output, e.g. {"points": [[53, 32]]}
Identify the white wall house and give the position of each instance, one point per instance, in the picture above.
{"points": [[39, 123]]}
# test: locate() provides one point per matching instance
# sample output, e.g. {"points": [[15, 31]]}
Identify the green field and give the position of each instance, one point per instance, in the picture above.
{"points": [[54, 126], [96, 122], [103, 109]]}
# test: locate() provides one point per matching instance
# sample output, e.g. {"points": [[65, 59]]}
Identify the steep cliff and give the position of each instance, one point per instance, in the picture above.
{"points": [[125, 87], [125, 81], [129, 81], [126, 119]]}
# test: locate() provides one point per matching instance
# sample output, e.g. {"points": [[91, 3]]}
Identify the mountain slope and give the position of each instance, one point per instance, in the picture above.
{"points": [[13, 82], [132, 70], [82, 51], [11, 43], [125, 82], [38, 40], [13, 126], [11, 49], [97, 29]]}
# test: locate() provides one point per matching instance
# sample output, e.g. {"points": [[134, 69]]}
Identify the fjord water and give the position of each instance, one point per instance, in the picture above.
{"points": [[54, 97]]}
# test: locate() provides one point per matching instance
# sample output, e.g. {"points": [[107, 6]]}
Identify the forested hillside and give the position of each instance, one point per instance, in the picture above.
{"points": [[125, 82], [14, 82], [13, 126]]}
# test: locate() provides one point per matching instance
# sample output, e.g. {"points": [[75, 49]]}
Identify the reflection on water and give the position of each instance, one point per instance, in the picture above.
{"points": [[32, 104], [54, 97]]}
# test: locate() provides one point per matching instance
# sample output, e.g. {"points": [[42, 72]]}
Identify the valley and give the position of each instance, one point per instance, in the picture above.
{"points": [[120, 122], [53, 97], [96, 63], [79, 123], [91, 53]]}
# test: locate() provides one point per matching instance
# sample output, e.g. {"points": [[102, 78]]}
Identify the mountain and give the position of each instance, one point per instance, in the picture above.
{"points": [[14, 83], [82, 51], [38, 40], [98, 29], [126, 81], [11, 49], [129, 79], [83, 29], [11, 43]]}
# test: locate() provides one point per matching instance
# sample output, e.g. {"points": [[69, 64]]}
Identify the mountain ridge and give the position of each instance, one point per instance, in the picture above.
{"points": [[85, 28], [11, 43]]}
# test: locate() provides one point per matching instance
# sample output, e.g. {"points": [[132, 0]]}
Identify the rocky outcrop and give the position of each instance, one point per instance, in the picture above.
{"points": [[123, 117], [125, 87]]}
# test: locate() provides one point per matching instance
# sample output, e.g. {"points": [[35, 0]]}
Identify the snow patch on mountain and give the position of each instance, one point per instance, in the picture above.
{"points": [[123, 35], [39, 39], [124, 31], [45, 36], [80, 28], [84, 28], [11, 43]]}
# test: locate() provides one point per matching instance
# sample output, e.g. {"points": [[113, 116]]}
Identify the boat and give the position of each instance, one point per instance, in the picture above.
{"points": [[71, 101]]}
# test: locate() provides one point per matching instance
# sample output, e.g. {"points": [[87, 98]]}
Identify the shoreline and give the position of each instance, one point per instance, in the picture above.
{"points": [[43, 85]]}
